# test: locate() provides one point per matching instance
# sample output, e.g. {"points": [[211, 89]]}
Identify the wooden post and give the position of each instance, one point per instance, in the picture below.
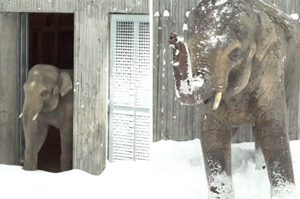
{"points": [[90, 114], [8, 85]]}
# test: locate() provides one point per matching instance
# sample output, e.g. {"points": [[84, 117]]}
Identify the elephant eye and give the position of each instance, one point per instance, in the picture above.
{"points": [[236, 54], [44, 93]]}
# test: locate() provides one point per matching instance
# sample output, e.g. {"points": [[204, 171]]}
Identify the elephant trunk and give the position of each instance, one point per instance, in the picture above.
{"points": [[182, 70], [31, 110], [188, 88]]}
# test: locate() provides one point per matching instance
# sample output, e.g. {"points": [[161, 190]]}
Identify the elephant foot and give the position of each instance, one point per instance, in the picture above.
{"points": [[29, 167], [284, 191], [221, 187], [66, 165]]}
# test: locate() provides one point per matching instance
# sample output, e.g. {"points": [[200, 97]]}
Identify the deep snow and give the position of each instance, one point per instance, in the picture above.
{"points": [[176, 171]]}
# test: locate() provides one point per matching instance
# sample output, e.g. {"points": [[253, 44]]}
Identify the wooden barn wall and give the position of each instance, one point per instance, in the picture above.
{"points": [[63, 6], [91, 71], [171, 120], [8, 85]]}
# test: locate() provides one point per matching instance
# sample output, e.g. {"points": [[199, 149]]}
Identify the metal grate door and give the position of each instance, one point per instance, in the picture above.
{"points": [[129, 88]]}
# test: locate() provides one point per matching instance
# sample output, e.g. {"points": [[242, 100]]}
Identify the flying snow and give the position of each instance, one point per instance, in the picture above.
{"points": [[220, 2], [184, 27], [187, 14], [294, 16], [166, 13]]}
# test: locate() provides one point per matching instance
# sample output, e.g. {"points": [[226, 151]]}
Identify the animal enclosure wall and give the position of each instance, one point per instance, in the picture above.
{"points": [[8, 84], [91, 52], [129, 88], [180, 123]]}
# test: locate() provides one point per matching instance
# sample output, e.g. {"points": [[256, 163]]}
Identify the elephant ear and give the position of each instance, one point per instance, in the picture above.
{"points": [[265, 35], [65, 83]]}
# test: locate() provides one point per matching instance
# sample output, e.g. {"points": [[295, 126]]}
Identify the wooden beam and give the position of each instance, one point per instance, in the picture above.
{"points": [[8, 84]]}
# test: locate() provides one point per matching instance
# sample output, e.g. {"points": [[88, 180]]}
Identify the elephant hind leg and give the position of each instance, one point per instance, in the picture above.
{"points": [[66, 137], [33, 143]]}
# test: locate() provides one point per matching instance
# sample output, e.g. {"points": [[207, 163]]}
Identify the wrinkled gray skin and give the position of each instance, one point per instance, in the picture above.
{"points": [[48, 92], [248, 51]]}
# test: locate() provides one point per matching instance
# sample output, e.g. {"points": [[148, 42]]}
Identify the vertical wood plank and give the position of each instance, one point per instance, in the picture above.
{"points": [[8, 86], [155, 74]]}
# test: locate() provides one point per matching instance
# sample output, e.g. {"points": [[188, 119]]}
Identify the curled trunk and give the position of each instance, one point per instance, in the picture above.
{"points": [[189, 88], [181, 70]]}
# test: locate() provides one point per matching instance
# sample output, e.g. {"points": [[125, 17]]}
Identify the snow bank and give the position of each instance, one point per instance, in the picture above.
{"points": [[179, 167], [176, 171]]}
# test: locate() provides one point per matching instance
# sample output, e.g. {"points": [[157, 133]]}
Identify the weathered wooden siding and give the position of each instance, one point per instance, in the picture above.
{"points": [[63, 6], [69, 6], [8, 85], [171, 120], [90, 78], [91, 71]]}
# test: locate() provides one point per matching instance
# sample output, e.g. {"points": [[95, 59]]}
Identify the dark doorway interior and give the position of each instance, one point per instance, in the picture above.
{"points": [[51, 41]]}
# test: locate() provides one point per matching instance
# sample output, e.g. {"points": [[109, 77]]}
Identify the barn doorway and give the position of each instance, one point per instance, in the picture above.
{"points": [[49, 40]]}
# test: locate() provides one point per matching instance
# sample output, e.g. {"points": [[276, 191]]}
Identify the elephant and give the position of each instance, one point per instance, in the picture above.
{"points": [[48, 102], [239, 64]]}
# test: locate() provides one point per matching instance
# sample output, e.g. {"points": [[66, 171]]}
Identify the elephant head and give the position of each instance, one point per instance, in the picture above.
{"points": [[225, 39], [43, 88]]}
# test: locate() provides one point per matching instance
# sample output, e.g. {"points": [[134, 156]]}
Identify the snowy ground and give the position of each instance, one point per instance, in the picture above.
{"points": [[176, 171]]}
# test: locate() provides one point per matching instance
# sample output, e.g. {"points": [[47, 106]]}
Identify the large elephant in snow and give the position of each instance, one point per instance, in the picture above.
{"points": [[48, 102], [240, 64]]}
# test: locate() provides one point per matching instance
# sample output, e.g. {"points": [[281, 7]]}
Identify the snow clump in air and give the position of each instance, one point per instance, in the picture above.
{"points": [[294, 16], [166, 13], [156, 14]]}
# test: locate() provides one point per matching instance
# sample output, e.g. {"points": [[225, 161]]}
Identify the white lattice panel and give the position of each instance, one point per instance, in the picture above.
{"points": [[130, 84], [142, 67], [123, 93], [142, 144], [122, 134]]}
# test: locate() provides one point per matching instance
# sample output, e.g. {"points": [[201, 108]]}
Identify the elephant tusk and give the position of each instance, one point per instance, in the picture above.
{"points": [[218, 98], [34, 118], [20, 115]]}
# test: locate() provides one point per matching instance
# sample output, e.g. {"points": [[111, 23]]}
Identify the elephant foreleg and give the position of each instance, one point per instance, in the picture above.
{"points": [[274, 143], [216, 147], [259, 157], [33, 143], [66, 137]]}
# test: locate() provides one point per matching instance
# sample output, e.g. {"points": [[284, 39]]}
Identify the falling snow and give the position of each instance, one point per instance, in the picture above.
{"points": [[187, 14], [166, 13], [294, 16], [176, 64], [220, 2], [184, 27]]}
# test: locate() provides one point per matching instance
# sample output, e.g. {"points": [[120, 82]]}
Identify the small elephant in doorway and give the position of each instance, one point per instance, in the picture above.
{"points": [[48, 102]]}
